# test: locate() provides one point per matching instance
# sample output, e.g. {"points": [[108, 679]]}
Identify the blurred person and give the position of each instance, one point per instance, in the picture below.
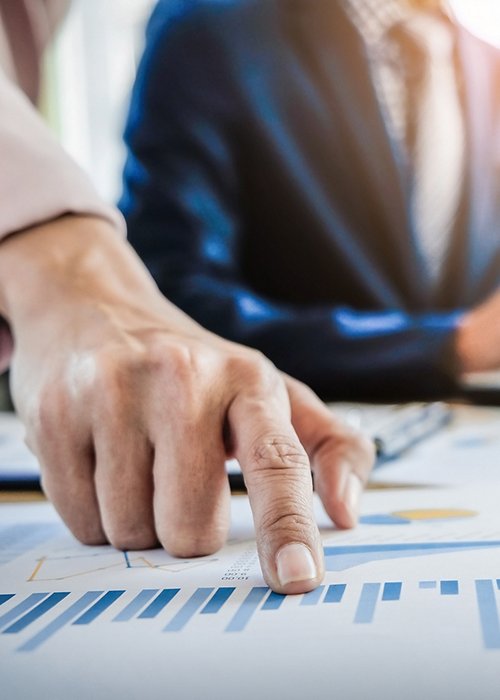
{"points": [[129, 405], [319, 179]]}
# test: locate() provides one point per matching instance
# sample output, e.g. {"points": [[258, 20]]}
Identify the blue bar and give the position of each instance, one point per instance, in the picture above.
{"points": [[60, 621], [273, 601], [488, 614], [392, 591], [335, 593], [18, 610], [427, 584], [5, 597], [135, 605], [449, 587], [498, 583], [161, 601], [408, 547], [36, 613], [247, 609], [98, 608], [367, 604], [218, 599], [188, 610], [313, 597]]}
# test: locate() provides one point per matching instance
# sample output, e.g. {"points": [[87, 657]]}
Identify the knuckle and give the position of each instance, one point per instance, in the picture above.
{"points": [[126, 536], [183, 371], [352, 446], [186, 542], [110, 375], [360, 452], [278, 452], [51, 409], [183, 361], [367, 449], [251, 367], [91, 538], [286, 520], [185, 546], [87, 532]]}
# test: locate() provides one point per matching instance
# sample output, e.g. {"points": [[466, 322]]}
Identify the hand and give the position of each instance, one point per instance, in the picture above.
{"points": [[478, 337], [132, 410]]}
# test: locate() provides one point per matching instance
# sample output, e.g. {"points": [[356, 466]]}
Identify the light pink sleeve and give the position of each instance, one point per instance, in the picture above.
{"points": [[38, 180]]}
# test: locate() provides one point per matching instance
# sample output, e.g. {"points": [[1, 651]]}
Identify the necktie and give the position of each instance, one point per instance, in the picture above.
{"points": [[434, 135]]}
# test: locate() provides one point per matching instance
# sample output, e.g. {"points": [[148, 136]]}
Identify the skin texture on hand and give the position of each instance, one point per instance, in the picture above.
{"points": [[132, 410]]}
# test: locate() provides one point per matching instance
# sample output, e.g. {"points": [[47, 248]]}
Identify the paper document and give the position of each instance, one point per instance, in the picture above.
{"points": [[466, 451], [409, 608]]}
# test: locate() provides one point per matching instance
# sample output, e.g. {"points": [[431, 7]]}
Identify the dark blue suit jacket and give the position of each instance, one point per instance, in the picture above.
{"points": [[264, 194]]}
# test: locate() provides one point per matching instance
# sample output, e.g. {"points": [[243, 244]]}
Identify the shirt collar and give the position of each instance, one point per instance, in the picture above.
{"points": [[374, 18]]}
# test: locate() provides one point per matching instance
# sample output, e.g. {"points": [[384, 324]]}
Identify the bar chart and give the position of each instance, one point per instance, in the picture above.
{"points": [[244, 607], [415, 586]]}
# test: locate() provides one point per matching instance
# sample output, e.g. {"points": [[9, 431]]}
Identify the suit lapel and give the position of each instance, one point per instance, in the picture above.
{"points": [[481, 242], [381, 184]]}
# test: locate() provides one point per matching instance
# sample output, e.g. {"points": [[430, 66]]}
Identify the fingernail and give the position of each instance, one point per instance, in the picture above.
{"points": [[294, 562], [352, 495]]}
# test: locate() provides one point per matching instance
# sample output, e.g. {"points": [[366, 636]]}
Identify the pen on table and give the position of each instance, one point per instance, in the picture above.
{"points": [[410, 425]]}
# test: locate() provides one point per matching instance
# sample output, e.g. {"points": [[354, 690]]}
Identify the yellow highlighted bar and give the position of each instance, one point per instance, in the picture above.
{"points": [[435, 513]]}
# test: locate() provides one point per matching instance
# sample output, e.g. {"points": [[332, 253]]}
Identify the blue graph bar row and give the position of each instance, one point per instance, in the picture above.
{"points": [[60, 621], [210, 601]]}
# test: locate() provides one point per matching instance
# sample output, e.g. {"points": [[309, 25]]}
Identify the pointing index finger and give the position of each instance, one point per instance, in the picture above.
{"points": [[278, 479]]}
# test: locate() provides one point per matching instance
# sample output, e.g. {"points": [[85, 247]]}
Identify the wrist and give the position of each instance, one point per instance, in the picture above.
{"points": [[66, 259]]}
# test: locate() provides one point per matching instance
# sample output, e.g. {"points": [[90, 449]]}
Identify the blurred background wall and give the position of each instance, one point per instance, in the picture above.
{"points": [[89, 73]]}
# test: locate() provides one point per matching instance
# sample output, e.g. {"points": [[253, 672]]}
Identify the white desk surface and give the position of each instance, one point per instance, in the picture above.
{"points": [[409, 607]]}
